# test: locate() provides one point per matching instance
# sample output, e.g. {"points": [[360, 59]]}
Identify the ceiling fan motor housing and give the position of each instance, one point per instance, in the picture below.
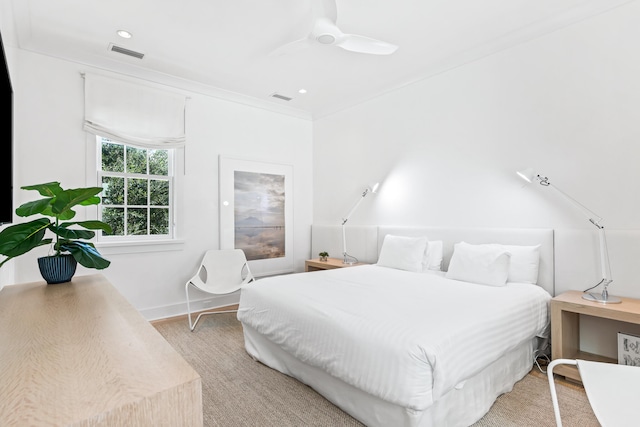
{"points": [[326, 39], [325, 31]]}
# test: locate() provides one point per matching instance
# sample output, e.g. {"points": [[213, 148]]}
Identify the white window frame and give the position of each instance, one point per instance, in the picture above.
{"points": [[139, 243]]}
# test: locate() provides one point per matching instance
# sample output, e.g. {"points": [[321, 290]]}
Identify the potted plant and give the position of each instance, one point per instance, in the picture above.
{"points": [[70, 244], [323, 256]]}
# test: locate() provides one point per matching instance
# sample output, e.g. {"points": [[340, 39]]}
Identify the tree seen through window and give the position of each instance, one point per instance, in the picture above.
{"points": [[137, 182]]}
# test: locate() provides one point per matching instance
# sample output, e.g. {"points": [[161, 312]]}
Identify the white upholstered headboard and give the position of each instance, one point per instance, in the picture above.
{"points": [[364, 242]]}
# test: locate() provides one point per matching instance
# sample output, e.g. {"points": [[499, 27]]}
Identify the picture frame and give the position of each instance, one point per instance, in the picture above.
{"points": [[628, 349], [256, 213]]}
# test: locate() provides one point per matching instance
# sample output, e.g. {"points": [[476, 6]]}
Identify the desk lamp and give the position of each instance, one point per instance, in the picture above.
{"points": [[530, 176]]}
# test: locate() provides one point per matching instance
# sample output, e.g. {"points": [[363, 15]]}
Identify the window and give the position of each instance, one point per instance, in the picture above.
{"points": [[138, 196]]}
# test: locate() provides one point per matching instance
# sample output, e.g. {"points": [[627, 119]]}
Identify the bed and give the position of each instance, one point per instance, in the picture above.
{"points": [[445, 321]]}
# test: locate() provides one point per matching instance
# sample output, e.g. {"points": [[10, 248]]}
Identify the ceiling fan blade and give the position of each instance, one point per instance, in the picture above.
{"points": [[294, 46], [323, 29], [362, 44], [324, 9]]}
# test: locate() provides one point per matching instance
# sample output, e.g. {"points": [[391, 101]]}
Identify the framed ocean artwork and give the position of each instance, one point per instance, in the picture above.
{"points": [[256, 213]]}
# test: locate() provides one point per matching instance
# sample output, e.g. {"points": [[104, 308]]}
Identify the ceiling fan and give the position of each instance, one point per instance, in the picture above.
{"points": [[325, 31]]}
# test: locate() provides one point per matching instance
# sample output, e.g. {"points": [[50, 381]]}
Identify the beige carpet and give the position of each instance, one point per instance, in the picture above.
{"points": [[238, 391]]}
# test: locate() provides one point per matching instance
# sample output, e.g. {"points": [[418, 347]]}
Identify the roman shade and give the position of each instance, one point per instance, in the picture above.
{"points": [[133, 113]]}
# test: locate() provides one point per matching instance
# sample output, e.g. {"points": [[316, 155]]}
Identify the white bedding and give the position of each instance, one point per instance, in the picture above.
{"points": [[404, 337]]}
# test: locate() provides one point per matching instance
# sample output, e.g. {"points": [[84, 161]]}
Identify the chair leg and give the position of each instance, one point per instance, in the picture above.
{"points": [[210, 312], [552, 386], [186, 290], [192, 326]]}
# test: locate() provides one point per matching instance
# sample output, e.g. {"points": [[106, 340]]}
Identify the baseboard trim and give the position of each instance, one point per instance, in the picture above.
{"points": [[193, 315], [177, 310]]}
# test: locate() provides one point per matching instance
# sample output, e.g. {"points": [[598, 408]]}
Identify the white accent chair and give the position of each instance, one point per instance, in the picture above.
{"points": [[221, 272], [612, 391]]}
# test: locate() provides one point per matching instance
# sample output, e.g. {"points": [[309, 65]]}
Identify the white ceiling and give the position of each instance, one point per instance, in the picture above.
{"points": [[223, 46]]}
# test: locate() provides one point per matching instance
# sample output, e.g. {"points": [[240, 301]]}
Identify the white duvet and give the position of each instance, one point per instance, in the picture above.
{"points": [[407, 338]]}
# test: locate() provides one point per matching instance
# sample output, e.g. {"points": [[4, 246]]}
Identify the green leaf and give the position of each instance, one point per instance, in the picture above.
{"points": [[95, 200], [67, 233], [49, 189], [63, 216], [19, 239], [35, 207], [75, 196], [90, 225], [86, 254], [64, 231]]}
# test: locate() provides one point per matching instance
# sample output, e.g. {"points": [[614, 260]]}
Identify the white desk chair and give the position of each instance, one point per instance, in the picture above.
{"points": [[221, 272], [612, 391]]}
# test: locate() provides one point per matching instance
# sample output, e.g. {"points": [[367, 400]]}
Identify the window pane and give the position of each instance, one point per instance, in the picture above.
{"points": [[112, 157], [137, 185], [136, 160], [115, 218], [137, 221], [137, 191], [113, 190], [159, 192], [159, 162], [159, 221]]}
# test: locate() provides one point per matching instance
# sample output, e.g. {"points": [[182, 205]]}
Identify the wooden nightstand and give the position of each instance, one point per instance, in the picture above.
{"points": [[329, 264], [565, 326]]}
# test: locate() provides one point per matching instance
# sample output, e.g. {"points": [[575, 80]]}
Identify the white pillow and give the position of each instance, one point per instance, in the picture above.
{"points": [[483, 264], [403, 253], [433, 256], [524, 264]]}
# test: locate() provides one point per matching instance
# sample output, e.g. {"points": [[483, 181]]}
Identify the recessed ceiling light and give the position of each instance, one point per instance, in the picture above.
{"points": [[302, 91], [124, 34]]}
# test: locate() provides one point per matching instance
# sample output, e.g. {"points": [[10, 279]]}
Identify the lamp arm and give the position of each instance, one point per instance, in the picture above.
{"points": [[594, 219], [604, 257], [344, 221], [592, 216], [355, 206]]}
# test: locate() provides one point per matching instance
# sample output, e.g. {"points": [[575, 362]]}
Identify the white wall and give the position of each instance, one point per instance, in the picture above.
{"points": [[51, 145], [446, 148]]}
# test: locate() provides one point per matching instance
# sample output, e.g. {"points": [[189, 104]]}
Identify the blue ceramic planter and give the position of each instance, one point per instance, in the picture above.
{"points": [[57, 269]]}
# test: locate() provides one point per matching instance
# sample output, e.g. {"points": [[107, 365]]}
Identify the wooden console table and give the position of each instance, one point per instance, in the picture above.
{"points": [[78, 354], [565, 326]]}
